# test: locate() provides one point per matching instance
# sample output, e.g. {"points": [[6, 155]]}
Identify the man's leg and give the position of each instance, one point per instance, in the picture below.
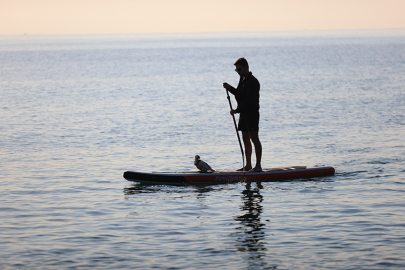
{"points": [[254, 136], [248, 149]]}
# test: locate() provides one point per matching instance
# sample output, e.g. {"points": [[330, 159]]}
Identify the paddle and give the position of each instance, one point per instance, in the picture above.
{"points": [[237, 133]]}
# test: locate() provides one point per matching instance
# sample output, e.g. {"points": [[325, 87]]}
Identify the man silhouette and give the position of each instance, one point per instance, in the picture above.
{"points": [[247, 96]]}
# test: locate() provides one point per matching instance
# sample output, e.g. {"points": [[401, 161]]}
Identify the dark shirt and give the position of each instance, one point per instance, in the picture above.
{"points": [[247, 94]]}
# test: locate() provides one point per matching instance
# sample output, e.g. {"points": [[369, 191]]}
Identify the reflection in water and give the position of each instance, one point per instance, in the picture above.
{"points": [[250, 234], [144, 188]]}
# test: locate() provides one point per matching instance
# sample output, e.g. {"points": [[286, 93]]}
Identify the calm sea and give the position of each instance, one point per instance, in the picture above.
{"points": [[78, 111]]}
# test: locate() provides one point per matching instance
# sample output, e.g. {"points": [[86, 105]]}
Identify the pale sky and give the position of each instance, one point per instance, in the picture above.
{"points": [[176, 16]]}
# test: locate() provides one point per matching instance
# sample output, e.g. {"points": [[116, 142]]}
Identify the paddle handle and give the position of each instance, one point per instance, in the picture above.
{"points": [[236, 129]]}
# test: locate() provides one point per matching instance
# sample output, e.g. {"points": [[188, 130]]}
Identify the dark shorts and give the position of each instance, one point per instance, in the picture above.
{"points": [[249, 121]]}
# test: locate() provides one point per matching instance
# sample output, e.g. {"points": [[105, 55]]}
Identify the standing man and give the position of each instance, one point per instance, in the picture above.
{"points": [[247, 95]]}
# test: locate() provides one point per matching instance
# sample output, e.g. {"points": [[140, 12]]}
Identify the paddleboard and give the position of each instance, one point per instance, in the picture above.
{"points": [[219, 177]]}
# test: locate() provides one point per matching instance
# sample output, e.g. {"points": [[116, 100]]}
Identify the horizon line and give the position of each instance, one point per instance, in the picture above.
{"points": [[210, 32]]}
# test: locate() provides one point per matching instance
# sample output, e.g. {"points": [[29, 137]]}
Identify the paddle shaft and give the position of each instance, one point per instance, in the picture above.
{"points": [[236, 128]]}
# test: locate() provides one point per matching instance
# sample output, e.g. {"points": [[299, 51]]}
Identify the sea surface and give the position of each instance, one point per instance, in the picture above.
{"points": [[78, 111]]}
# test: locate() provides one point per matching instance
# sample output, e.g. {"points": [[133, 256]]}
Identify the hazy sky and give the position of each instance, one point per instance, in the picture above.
{"points": [[161, 16]]}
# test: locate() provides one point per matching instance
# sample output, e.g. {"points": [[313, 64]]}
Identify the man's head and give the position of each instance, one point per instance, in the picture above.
{"points": [[242, 67]]}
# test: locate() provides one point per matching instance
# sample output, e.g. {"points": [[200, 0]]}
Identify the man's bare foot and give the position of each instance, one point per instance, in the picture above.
{"points": [[256, 169], [245, 169]]}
